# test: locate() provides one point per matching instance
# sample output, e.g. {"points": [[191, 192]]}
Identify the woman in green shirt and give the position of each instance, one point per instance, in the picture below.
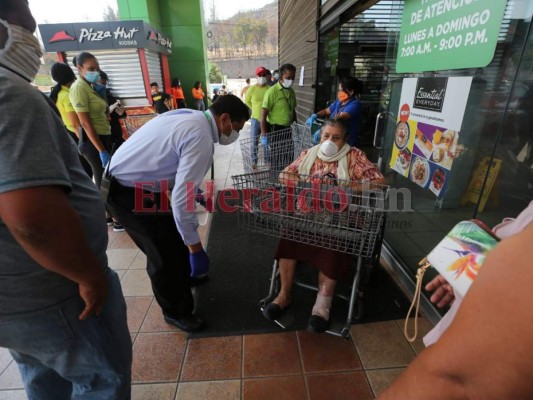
{"points": [[96, 141], [64, 76], [254, 100], [91, 108]]}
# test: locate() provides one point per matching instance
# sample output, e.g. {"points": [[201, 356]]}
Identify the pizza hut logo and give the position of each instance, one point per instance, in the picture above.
{"points": [[61, 36], [430, 93], [160, 39]]}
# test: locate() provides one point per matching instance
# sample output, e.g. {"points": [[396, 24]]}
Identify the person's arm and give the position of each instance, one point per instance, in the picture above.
{"points": [[77, 96], [323, 113], [43, 227], [88, 127], [484, 352], [248, 97], [74, 121], [264, 114], [195, 160]]}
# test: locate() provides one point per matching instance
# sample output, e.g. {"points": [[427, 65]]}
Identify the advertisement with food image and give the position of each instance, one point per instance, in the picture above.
{"points": [[403, 146], [437, 144], [420, 171], [439, 177], [426, 139]]}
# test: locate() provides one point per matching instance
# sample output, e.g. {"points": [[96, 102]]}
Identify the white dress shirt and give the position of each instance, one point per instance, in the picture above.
{"points": [[176, 146]]}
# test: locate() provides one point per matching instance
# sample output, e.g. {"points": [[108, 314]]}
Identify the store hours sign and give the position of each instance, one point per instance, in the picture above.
{"points": [[448, 34]]}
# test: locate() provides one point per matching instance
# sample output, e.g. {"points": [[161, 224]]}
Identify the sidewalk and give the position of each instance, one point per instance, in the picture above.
{"points": [[291, 365]]}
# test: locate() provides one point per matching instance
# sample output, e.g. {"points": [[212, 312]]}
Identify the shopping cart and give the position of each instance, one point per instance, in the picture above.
{"points": [[344, 216], [283, 146], [134, 122]]}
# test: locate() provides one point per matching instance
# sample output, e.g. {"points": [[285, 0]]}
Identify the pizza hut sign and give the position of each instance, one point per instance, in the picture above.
{"points": [[120, 33], [103, 36]]}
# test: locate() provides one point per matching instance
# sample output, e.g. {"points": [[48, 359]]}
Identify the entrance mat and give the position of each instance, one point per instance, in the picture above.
{"points": [[241, 267]]}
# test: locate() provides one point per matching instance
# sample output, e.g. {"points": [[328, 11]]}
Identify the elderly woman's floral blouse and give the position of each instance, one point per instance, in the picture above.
{"points": [[360, 168]]}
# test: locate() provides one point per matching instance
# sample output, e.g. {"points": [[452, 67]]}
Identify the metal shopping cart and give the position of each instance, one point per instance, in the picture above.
{"points": [[344, 216], [134, 122], [283, 146]]}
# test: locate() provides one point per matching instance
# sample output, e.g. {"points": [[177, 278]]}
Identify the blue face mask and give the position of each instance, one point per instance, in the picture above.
{"points": [[92, 76]]}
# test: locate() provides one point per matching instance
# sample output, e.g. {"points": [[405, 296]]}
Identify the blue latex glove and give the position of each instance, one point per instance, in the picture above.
{"points": [[199, 263], [316, 137], [311, 120], [264, 140], [104, 157]]}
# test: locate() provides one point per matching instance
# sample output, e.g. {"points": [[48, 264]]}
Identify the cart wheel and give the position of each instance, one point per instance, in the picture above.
{"points": [[345, 333]]}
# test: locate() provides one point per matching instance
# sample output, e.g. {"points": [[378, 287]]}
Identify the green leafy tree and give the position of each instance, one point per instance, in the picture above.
{"points": [[110, 14], [215, 73]]}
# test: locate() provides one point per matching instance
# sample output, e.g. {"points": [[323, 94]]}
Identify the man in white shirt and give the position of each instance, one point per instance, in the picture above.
{"points": [[172, 152]]}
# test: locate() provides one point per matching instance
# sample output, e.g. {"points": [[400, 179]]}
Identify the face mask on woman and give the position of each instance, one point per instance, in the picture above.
{"points": [[262, 80], [22, 51], [328, 148], [342, 96], [92, 76]]}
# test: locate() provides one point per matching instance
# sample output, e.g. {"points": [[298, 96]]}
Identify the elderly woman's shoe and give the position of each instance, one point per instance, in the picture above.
{"points": [[317, 324], [273, 311]]}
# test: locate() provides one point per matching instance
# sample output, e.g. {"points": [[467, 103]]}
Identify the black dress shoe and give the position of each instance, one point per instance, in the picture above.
{"points": [[317, 324], [190, 323], [272, 311]]}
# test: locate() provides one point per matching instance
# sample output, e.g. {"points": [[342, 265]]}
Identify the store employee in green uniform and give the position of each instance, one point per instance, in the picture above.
{"points": [[278, 113], [92, 110]]}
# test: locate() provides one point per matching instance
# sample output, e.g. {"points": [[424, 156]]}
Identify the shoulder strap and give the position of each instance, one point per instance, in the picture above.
{"points": [[424, 265]]}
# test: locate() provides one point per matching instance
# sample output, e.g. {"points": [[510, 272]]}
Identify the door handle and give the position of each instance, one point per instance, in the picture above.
{"points": [[378, 117]]}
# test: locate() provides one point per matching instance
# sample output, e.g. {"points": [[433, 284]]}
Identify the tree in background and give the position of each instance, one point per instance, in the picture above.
{"points": [[215, 73], [247, 34], [110, 14]]}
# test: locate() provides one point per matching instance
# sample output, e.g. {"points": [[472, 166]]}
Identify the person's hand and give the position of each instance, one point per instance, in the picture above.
{"points": [[264, 140], [104, 157], [442, 291], [93, 294], [311, 120], [199, 263]]}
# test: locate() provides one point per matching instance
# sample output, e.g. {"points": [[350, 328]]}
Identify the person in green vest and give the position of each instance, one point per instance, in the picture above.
{"points": [[254, 99], [278, 113]]}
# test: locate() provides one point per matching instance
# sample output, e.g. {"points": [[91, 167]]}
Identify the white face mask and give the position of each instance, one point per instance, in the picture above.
{"points": [[225, 140], [262, 80], [287, 83], [328, 148], [22, 51]]}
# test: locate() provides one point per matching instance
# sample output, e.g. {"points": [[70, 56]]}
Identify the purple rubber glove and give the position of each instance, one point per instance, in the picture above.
{"points": [[199, 263]]}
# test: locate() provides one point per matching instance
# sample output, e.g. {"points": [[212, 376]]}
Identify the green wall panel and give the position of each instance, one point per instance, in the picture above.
{"points": [[182, 20]]}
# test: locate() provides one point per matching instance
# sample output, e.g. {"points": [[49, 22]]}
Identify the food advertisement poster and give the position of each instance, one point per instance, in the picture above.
{"points": [[428, 129]]}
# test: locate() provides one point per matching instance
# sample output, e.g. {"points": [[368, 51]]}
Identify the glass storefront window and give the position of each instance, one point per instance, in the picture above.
{"points": [[492, 175]]}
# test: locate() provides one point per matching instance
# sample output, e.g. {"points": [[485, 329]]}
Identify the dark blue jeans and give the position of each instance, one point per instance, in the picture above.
{"points": [[60, 357]]}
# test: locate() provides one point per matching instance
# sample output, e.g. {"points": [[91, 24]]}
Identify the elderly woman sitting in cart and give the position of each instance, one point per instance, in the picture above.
{"points": [[332, 157]]}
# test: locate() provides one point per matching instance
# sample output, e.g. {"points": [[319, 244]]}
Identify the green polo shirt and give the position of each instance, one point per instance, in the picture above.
{"points": [[65, 106], [85, 99], [254, 99], [280, 104]]}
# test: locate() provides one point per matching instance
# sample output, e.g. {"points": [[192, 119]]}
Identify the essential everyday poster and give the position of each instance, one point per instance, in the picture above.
{"points": [[428, 129]]}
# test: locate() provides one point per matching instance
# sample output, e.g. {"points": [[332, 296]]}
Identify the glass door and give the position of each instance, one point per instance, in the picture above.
{"points": [[492, 169], [358, 47]]}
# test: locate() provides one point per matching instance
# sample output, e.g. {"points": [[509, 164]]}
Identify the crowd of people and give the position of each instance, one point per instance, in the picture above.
{"points": [[66, 171]]}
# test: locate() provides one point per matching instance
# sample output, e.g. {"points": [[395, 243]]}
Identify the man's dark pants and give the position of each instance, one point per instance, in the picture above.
{"points": [[155, 233]]}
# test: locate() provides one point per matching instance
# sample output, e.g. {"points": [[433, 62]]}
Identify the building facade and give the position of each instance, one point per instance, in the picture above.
{"points": [[466, 155]]}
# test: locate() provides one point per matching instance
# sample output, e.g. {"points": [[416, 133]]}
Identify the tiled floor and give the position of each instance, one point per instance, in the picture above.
{"points": [[291, 365]]}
